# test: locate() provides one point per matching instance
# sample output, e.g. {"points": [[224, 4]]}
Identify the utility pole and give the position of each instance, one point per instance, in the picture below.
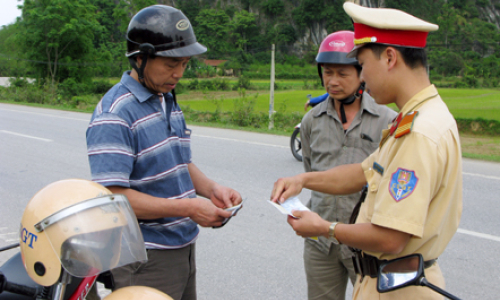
{"points": [[271, 93]]}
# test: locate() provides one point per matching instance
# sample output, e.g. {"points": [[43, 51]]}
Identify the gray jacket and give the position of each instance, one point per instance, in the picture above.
{"points": [[325, 145]]}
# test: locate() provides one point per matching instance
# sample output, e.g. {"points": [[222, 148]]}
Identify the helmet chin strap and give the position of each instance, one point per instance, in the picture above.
{"points": [[140, 70], [350, 100]]}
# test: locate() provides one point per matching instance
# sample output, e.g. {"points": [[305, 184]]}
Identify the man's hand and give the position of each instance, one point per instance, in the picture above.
{"points": [[206, 214], [285, 188], [306, 105], [225, 197], [308, 224]]}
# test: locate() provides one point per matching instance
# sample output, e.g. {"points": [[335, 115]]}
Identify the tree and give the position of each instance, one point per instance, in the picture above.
{"points": [[212, 31], [243, 27], [448, 20], [60, 35], [10, 60]]}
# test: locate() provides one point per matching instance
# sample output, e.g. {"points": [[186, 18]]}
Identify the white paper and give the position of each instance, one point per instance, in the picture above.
{"points": [[289, 205]]}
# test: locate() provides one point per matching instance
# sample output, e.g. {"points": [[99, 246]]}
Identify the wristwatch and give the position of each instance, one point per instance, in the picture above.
{"points": [[331, 233]]}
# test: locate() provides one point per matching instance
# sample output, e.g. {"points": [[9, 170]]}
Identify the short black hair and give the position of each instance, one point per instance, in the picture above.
{"points": [[358, 69], [413, 57]]}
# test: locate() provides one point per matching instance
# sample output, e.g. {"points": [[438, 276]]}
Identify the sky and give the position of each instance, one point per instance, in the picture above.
{"points": [[9, 11]]}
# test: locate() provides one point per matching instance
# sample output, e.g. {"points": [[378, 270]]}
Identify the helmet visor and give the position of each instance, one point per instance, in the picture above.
{"points": [[95, 236], [187, 51]]}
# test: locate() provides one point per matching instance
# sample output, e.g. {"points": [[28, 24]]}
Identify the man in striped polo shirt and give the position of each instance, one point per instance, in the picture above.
{"points": [[139, 145]]}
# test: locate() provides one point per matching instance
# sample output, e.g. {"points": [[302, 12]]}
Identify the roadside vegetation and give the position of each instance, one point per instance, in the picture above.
{"points": [[74, 52], [244, 104]]}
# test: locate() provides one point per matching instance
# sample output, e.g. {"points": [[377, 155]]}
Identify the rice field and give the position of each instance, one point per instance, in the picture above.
{"points": [[463, 103]]}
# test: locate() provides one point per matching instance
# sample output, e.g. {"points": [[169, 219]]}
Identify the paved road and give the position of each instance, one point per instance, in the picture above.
{"points": [[256, 255]]}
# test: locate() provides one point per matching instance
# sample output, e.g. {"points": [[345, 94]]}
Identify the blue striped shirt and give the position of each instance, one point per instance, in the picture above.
{"points": [[133, 143]]}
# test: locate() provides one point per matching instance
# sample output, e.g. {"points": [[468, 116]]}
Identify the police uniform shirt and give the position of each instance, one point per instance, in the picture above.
{"points": [[415, 183]]}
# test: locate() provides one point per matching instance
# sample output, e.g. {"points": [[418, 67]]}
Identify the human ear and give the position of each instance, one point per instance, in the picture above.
{"points": [[391, 57], [138, 60]]}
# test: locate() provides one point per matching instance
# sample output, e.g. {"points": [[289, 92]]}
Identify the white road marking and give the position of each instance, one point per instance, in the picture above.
{"points": [[49, 115], [480, 235], [26, 136], [481, 175], [9, 237]]}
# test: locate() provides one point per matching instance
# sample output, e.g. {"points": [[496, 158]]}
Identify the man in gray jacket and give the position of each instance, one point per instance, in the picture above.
{"points": [[344, 129]]}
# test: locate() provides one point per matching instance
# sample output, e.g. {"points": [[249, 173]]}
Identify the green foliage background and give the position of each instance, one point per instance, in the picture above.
{"points": [[72, 47], [82, 39]]}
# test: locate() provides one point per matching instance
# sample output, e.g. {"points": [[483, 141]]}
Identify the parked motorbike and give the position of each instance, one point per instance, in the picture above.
{"points": [[295, 143], [405, 271], [16, 284], [72, 233]]}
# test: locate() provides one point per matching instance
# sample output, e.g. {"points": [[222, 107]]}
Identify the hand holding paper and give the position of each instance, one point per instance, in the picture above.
{"points": [[300, 222], [289, 205]]}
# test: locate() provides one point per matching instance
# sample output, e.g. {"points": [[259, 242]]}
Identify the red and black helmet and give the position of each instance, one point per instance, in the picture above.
{"points": [[334, 49]]}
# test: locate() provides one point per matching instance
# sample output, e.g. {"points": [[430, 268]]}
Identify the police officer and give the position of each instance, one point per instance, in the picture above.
{"points": [[414, 179]]}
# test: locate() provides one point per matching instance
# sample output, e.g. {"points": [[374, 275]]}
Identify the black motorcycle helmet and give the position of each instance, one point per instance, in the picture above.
{"points": [[160, 30]]}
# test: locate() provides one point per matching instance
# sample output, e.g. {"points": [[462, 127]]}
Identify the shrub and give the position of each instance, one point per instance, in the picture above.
{"points": [[18, 82], [100, 87], [70, 87], [243, 83], [193, 85], [479, 126]]}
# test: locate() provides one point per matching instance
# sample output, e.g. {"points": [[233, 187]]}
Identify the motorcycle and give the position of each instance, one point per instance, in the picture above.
{"points": [[405, 271], [295, 143], [15, 284], [72, 233]]}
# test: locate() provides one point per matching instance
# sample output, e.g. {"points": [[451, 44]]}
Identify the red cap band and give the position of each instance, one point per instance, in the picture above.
{"points": [[406, 38]]}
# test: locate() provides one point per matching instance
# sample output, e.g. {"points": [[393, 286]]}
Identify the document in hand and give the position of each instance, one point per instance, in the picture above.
{"points": [[233, 211], [289, 205]]}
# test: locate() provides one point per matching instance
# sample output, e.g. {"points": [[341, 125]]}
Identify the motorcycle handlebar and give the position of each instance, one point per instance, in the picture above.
{"points": [[16, 288], [9, 247]]}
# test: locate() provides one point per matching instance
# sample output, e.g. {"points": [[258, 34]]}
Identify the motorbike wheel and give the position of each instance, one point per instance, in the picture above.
{"points": [[296, 145]]}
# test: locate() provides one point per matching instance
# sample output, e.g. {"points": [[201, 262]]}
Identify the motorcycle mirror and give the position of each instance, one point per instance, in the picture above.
{"points": [[400, 272], [405, 271]]}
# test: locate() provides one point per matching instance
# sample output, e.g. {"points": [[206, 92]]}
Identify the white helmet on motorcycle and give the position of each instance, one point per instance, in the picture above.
{"points": [[137, 293], [81, 226]]}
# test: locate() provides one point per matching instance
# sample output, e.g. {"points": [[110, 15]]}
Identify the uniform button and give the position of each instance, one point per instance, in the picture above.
{"points": [[373, 187]]}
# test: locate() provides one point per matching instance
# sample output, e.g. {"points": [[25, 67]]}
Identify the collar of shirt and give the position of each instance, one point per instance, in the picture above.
{"points": [[367, 104], [422, 96], [135, 87]]}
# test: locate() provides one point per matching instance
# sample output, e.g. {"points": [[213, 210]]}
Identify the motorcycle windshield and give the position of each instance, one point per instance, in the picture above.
{"points": [[95, 236]]}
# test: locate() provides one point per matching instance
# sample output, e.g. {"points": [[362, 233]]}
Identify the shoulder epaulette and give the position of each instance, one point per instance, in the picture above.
{"points": [[406, 124]]}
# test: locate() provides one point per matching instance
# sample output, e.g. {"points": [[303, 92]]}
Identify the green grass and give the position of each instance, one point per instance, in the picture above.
{"points": [[463, 103], [481, 156], [472, 103], [284, 101]]}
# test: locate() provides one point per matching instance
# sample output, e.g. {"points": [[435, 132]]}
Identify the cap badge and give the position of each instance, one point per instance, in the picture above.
{"points": [[182, 25]]}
